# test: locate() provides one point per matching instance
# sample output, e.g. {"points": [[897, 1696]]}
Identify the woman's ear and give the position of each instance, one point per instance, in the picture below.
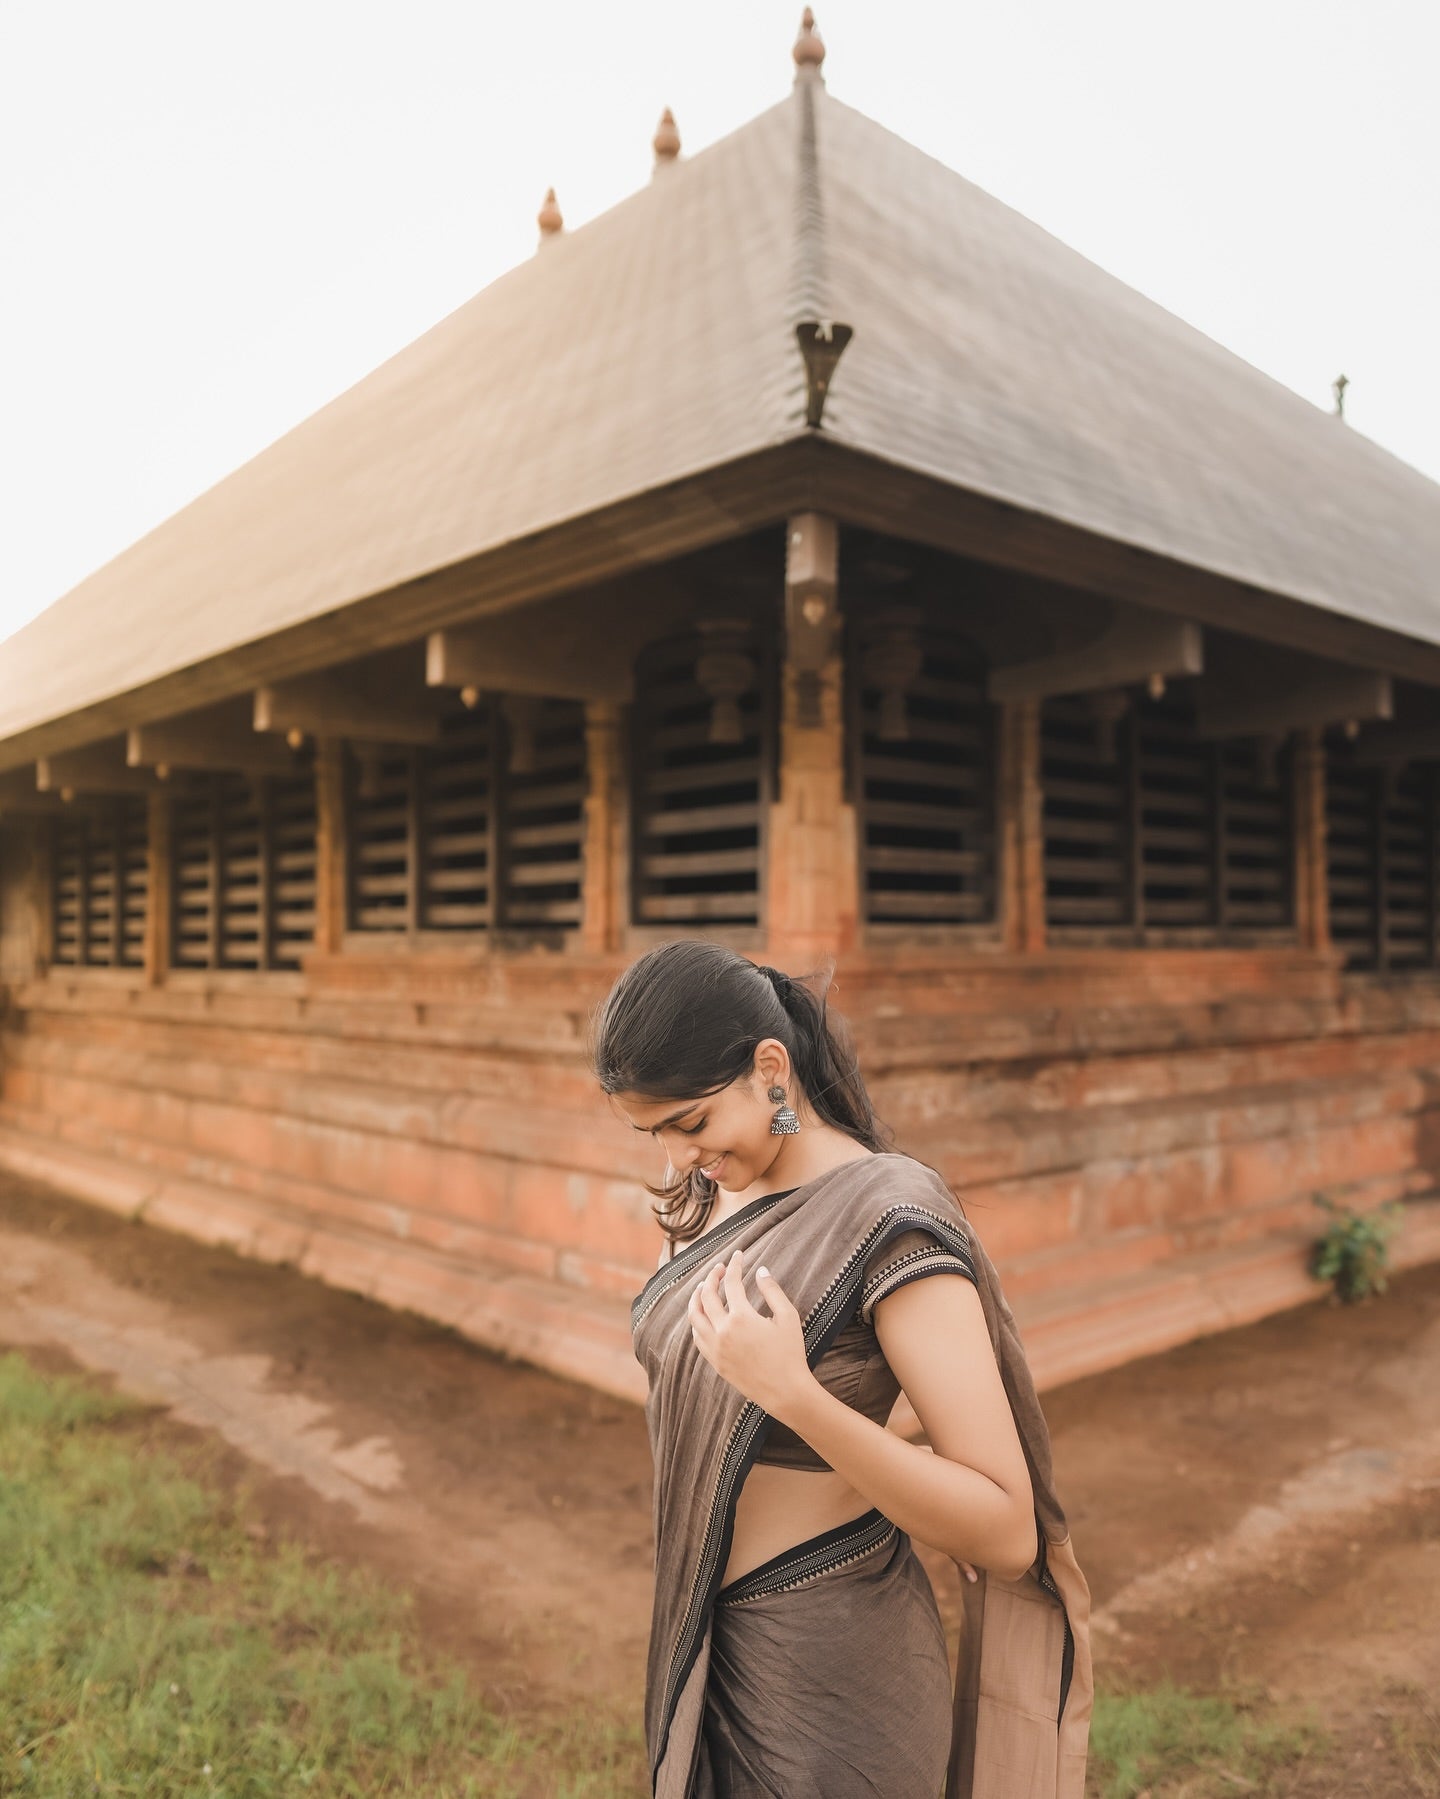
{"points": [[772, 1063]]}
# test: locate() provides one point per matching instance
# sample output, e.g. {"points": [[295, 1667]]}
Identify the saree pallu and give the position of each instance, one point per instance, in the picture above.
{"points": [[1018, 1724]]}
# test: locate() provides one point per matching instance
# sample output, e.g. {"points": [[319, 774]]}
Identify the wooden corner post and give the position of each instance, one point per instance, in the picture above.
{"points": [[812, 898], [602, 894], [1312, 895], [159, 891], [1022, 827], [330, 851]]}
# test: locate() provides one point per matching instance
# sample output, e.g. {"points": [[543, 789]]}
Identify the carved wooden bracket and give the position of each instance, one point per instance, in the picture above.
{"points": [[1137, 645], [1272, 693], [338, 705]]}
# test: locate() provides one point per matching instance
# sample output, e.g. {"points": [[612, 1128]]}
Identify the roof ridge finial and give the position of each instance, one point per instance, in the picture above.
{"points": [[666, 142], [1337, 387], [809, 51], [549, 218]]}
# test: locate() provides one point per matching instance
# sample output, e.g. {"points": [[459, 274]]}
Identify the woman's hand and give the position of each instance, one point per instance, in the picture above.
{"points": [[763, 1357]]}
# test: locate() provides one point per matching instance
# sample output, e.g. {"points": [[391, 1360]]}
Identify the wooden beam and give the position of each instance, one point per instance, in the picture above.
{"points": [[20, 795], [338, 705], [1136, 646], [90, 771], [573, 647], [207, 743], [1389, 745], [1261, 692]]}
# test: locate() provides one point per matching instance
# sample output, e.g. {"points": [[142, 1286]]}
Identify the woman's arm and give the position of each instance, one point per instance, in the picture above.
{"points": [[903, 1422], [972, 1497]]}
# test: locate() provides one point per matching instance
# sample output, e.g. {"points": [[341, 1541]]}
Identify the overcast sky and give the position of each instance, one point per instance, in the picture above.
{"points": [[216, 216]]}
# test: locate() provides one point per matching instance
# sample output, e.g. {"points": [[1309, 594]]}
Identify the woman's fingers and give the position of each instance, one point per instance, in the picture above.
{"points": [[707, 1296]]}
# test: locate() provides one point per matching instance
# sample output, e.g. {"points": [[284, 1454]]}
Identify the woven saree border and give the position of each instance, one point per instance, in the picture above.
{"points": [[671, 1273], [837, 1548]]}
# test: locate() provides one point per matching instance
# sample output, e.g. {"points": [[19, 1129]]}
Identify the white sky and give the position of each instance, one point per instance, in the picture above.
{"points": [[215, 215]]}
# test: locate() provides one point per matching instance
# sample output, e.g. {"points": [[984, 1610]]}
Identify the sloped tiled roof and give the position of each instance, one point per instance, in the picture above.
{"points": [[657, 342], [992, 356]]}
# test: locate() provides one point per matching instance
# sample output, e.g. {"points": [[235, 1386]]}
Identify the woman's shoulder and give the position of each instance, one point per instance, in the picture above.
{"points": [[888, 1186]]}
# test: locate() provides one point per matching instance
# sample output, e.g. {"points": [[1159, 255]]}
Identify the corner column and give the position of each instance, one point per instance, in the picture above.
{"points": [[602, 892], [1312, 894], [812, 885], [329, 845], [158, 876], [1022, 828]]}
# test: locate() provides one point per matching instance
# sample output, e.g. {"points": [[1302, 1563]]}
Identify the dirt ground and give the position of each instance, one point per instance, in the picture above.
{"points": [[1257, 1513]]}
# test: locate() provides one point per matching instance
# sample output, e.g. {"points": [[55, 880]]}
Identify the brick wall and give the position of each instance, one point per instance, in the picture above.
{"points": [[422, 1127]]}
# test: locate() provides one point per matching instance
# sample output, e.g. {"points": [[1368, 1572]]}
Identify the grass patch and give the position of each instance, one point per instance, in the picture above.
{"points": [[149, 1645], [1164, 1740]]}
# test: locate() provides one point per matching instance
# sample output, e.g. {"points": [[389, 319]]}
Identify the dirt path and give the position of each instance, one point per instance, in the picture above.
{"points": [[1260, 1510]]}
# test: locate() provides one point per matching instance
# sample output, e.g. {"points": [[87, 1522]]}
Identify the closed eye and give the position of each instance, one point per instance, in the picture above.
{"points": [[694, 1130]]}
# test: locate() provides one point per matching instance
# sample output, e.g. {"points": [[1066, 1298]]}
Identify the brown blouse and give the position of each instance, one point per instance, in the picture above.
{"points": [[854, 1368]]}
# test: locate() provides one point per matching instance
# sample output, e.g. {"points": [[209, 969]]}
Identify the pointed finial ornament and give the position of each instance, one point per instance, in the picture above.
{"points": [[666, 142], [809, 51], [1337, 387], [549, 217]]}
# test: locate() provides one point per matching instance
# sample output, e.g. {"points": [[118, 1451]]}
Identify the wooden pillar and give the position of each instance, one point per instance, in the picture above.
{"points": [[1022, 828], [602, 891], [27, 898], [811, 848], [158, 889], [330, 853], [1312, 900], [44, 893]]}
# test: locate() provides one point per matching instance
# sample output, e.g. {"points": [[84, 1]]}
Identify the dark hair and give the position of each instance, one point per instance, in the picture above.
{"points": [[684, 1021]]}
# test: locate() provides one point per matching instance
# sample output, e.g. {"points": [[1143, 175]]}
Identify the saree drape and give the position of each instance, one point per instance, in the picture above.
{"points": [[1019, 1722]]}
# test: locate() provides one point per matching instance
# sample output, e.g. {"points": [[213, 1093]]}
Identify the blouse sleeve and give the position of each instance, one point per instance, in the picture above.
{"points": [[908, 1257]]}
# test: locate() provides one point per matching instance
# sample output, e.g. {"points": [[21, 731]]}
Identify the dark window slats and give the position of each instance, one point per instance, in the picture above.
{"points": [[451, 837], [1171, 836], [99, 884]]}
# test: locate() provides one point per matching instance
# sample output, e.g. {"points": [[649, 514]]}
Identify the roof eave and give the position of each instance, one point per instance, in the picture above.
{"points": [[862, 488], [810, 470], [709, 507]]}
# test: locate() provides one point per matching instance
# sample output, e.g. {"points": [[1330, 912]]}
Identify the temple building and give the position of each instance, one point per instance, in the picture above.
{"points": [[810, 552]]}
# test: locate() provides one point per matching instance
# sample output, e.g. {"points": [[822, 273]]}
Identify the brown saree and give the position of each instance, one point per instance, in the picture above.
{"points": [[728, 1682]]}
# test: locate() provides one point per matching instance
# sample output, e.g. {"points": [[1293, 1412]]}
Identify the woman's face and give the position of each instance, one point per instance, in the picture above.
{"points": [[726, 1135]]}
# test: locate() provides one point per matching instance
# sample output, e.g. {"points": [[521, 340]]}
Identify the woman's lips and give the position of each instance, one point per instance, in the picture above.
{"points": [[711, 1170]]}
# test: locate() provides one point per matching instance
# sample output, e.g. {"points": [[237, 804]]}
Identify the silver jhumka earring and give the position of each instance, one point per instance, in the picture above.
{"points": [[784, 1123]]}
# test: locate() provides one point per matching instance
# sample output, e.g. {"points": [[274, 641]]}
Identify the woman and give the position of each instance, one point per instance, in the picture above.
{"points": [[809, 1276]]}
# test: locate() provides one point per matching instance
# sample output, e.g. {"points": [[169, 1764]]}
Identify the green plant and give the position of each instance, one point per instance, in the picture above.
{"points": [[1355, 1247], [1166, 1740]]}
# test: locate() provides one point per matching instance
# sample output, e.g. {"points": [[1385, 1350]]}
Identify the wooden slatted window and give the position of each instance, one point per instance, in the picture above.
{"points": [[243, 857], [923, 775], [1152, 831], [480, 831], [1383, 837], [453, 859], [540, 862], [1088, 799], [100, 878], [702, 783]]}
